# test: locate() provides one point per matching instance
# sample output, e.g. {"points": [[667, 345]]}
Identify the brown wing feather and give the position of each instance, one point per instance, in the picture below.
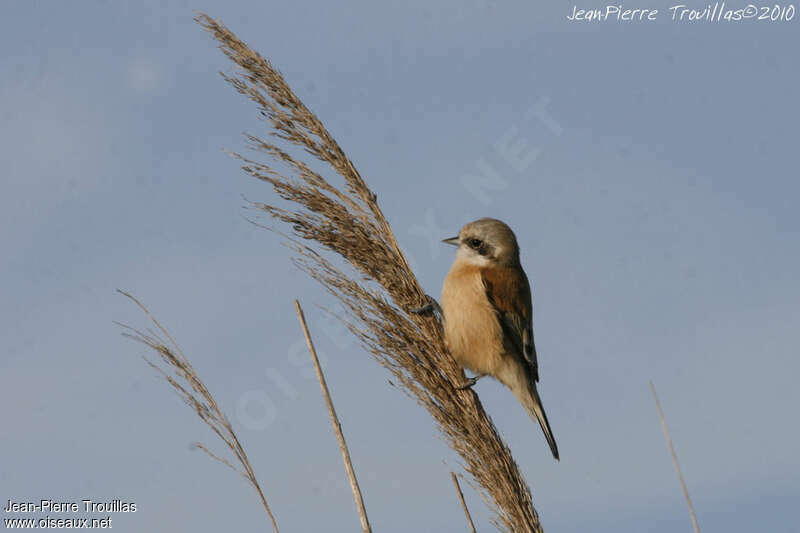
{"points": [[509, 292]]}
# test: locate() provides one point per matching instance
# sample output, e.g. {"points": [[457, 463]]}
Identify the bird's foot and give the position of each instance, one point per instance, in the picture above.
{"points": [[470, 382], [431, 307]]}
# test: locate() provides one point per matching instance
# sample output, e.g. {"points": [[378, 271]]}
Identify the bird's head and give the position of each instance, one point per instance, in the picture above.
{"points": [[486, 241]]}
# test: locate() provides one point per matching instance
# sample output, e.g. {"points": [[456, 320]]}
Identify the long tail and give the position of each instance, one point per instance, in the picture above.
{"points": [[529, 398]]}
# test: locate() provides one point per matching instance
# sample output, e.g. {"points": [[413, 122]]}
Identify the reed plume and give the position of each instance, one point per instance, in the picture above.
{"points": [[176, 369], [376, 285]]}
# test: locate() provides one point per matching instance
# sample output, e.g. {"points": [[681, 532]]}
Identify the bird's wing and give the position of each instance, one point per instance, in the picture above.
{"points": [[509, 292]]}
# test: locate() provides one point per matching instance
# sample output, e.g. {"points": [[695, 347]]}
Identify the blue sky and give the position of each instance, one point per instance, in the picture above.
{"points": [[653, 197]]}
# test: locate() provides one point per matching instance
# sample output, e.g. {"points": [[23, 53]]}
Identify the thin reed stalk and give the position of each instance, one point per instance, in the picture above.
{"points": [[337, 426], [463, 503], [376, 286], [675, 459], [176, 369]]}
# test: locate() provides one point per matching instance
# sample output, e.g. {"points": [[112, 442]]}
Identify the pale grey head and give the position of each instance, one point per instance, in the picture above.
{"points": [[486, 241]]}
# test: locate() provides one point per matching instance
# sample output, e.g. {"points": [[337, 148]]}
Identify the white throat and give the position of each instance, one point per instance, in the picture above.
{"points": [[471, 257]]}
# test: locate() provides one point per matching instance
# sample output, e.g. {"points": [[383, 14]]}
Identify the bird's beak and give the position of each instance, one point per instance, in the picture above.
{"points": [[451, 240]]}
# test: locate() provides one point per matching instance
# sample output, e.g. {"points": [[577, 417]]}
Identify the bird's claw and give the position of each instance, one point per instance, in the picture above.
{"points": [[470, 382], [431, 307]]}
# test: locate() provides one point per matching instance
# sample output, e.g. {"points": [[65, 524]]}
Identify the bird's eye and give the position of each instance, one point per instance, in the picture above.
{"points": [[474, 243]]}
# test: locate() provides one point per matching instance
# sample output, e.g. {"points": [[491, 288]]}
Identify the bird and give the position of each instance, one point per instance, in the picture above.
{"points": [[487, 312]]}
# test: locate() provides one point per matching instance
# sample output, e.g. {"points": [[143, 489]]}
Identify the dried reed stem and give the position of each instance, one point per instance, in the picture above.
{"points": [[337, 426], [675, 458], [375, 284], [183, 378], [463, 503]]}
